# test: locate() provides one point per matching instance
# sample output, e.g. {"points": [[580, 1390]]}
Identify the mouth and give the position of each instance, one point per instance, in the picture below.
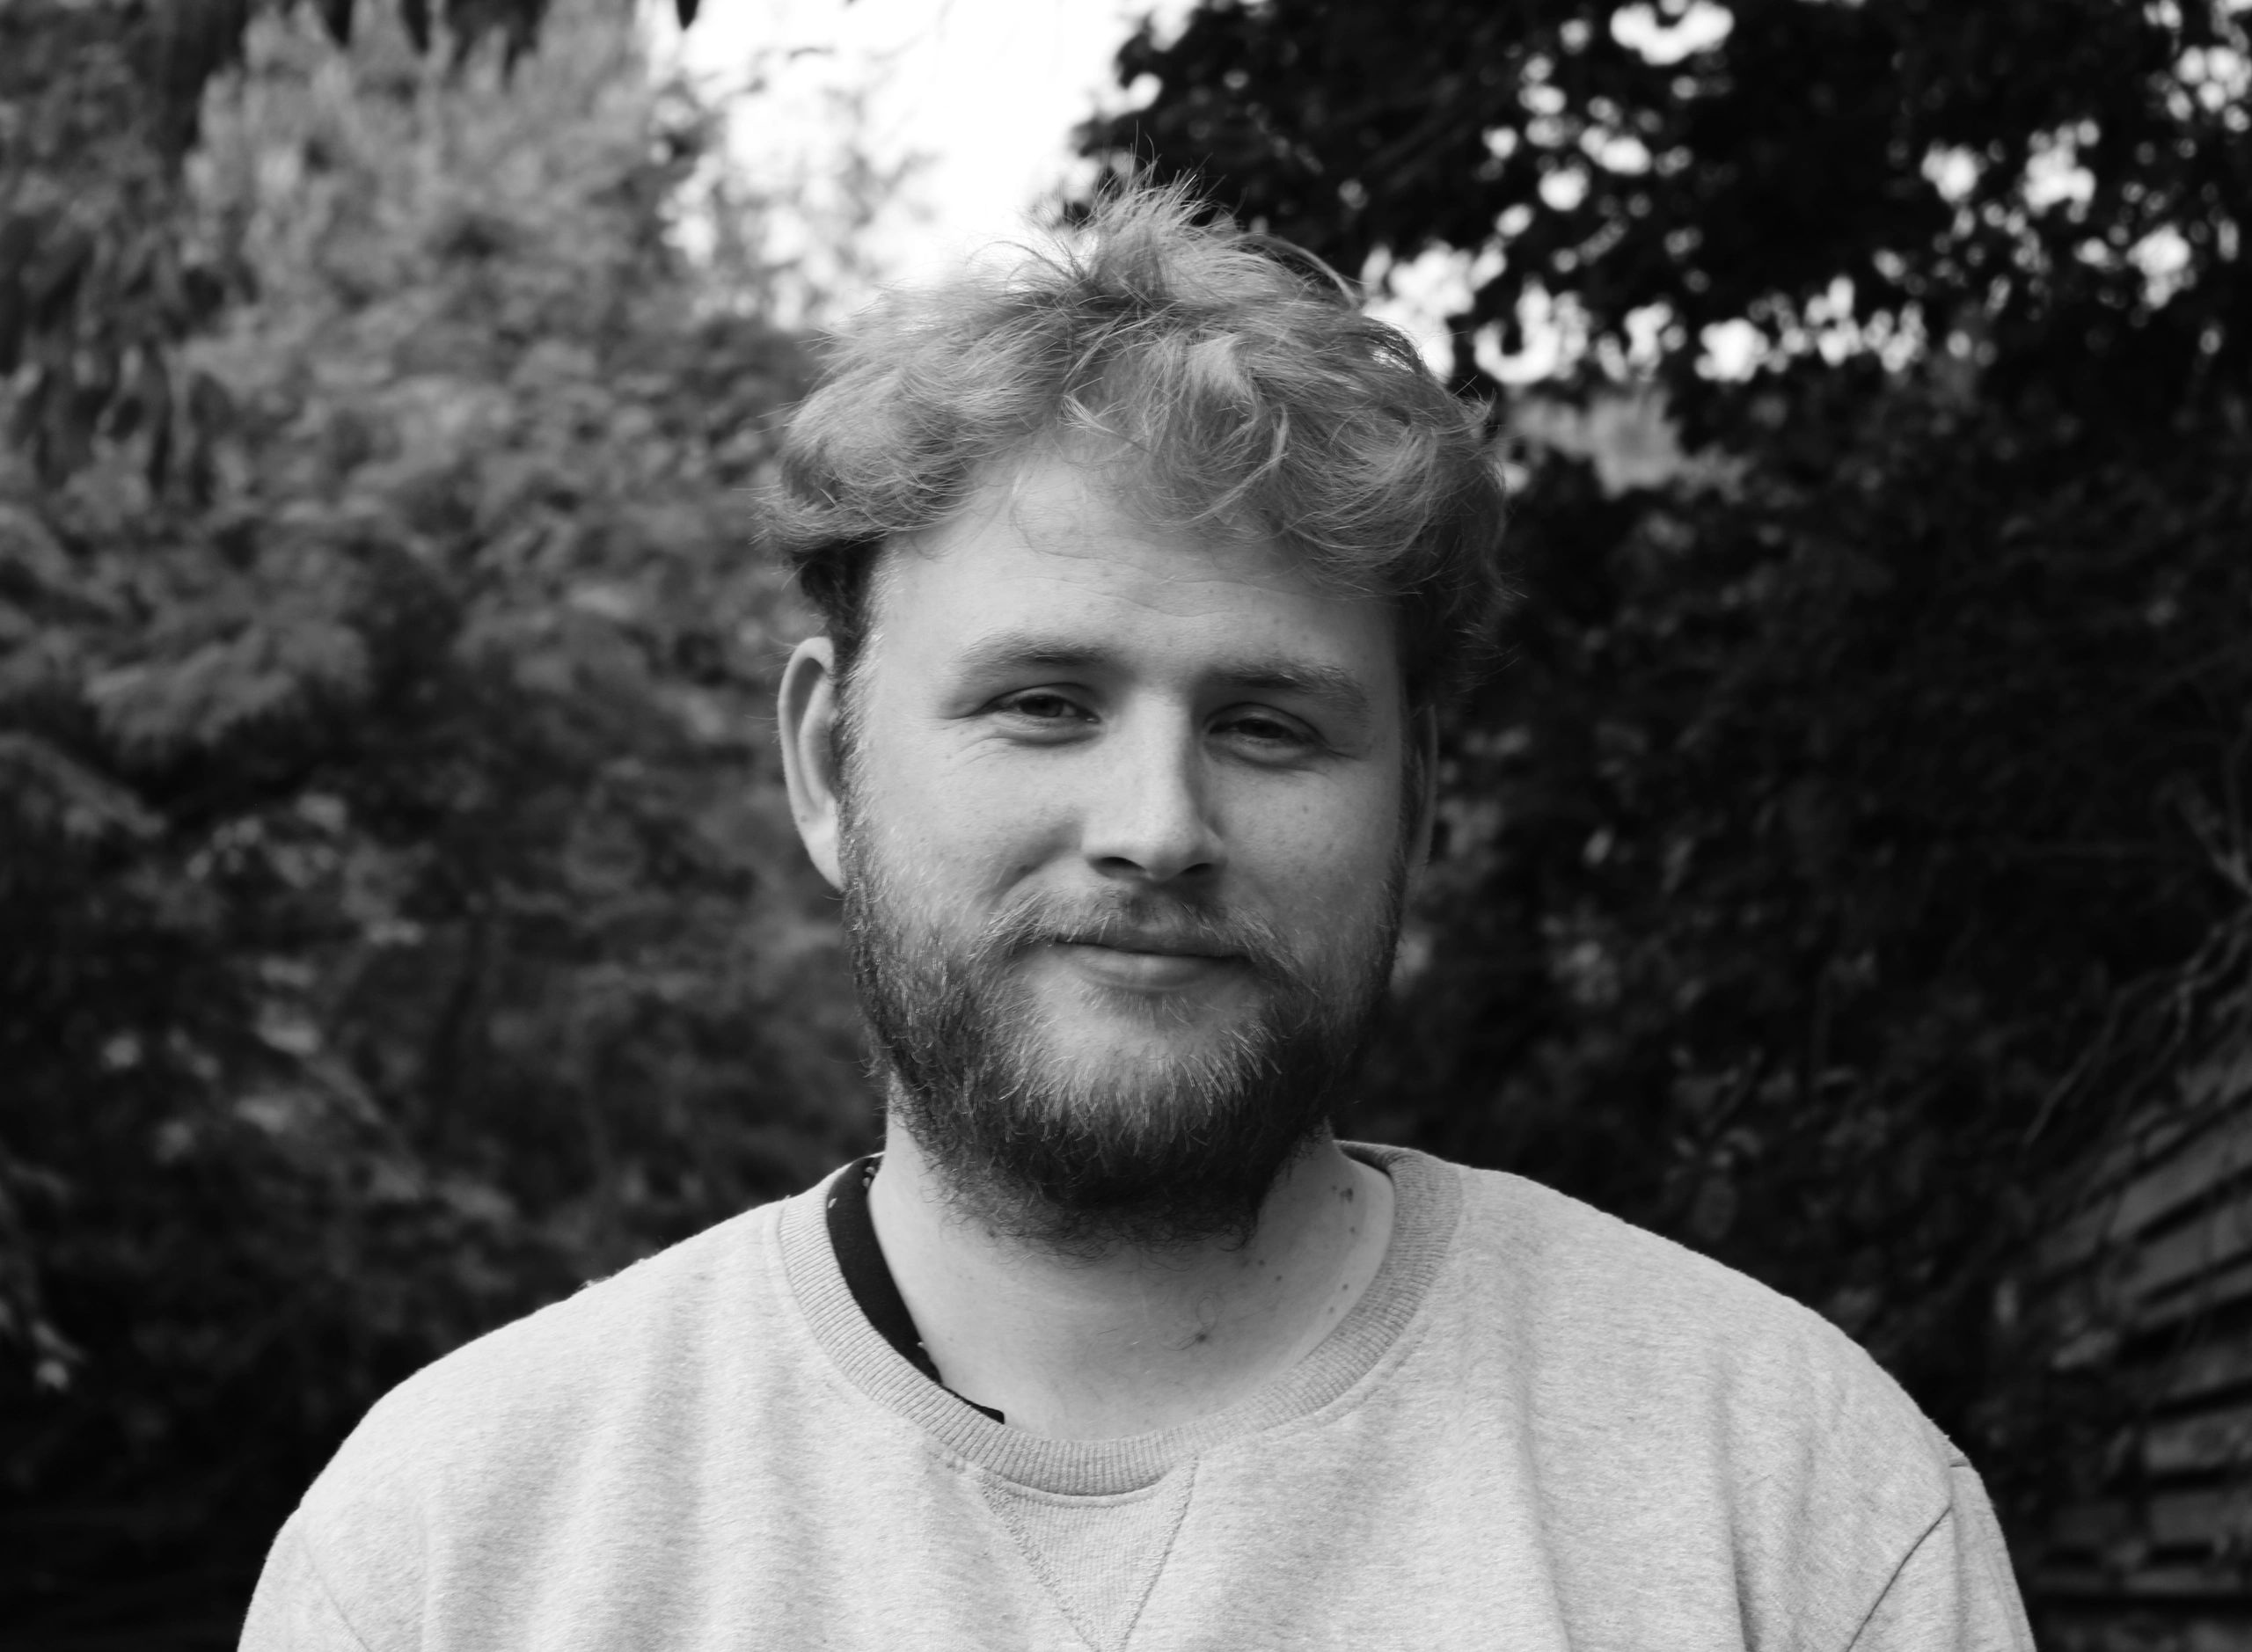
{"points": [[1147, 946], [1163, 935], [1146, 964]]}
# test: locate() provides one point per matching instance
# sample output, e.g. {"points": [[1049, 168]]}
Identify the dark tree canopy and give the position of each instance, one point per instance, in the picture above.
{"points": [[1858, 828], [1995, 169]]}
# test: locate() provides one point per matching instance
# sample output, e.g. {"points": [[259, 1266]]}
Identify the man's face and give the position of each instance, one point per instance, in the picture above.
{"points": [[1123, 847]]}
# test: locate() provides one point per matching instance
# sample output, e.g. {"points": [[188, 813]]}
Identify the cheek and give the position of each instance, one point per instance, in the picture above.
{"points": [[1329, 851], [961, 827]]}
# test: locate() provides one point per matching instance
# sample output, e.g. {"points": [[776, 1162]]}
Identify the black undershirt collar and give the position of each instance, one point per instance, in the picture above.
{"points": [[852, 1236]]}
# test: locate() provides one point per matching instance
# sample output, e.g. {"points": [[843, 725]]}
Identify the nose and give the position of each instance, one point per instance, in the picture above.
{"points": [[1150, 818]]}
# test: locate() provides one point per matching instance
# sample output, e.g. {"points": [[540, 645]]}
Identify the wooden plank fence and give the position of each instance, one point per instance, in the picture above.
{"points": [[2150, 1283]]}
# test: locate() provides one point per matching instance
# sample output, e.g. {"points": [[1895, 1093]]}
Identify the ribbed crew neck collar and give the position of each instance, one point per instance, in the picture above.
{"points": [[1427, 1201]]}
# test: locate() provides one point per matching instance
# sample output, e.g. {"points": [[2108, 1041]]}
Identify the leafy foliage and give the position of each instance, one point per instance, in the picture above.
{"points": [[100, 273], [2017, 170], [1858, 826], [406, 925]]}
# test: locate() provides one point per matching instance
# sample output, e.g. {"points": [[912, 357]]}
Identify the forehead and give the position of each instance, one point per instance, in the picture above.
{"points": [[1050, 548]]}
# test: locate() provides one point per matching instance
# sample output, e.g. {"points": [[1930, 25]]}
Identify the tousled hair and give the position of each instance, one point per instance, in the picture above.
{"points": [[1227, 380]]}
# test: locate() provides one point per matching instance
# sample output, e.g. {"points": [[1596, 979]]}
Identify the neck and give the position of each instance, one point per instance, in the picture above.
{"points": [[1135, 1341]]}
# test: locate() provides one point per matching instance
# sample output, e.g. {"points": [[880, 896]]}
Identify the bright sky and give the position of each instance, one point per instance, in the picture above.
{"points": [[986, 92]]}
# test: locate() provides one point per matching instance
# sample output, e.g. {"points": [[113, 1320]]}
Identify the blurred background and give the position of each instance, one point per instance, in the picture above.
{"points": [[1847, 874]]}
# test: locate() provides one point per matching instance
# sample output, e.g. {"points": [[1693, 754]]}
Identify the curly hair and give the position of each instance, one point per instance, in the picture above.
{"points": [[1229, 380]]}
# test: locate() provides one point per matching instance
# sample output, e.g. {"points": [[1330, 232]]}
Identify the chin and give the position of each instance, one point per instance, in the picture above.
{"points": [[1083, 1139], [1127, 1051], [1088, 1038], [1082, 1013]]}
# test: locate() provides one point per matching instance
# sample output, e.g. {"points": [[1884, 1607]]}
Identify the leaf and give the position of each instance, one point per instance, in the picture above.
{"points": [[156, 710], [58, 794], [357, 857], [31, 558]]}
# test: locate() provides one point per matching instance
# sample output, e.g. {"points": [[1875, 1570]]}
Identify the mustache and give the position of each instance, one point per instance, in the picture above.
{"points": [[1135, 923]]}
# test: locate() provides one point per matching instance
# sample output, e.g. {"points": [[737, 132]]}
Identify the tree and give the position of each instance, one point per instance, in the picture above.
{"points": [[98, 274], [1858, 823], [2053, 187], [405, 921]]}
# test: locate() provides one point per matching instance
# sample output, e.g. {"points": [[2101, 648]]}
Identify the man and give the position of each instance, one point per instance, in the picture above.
{"points": [[1144, 565]]}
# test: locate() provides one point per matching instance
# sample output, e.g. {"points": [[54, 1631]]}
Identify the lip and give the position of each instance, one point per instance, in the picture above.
{"points": [[1137, 969]]}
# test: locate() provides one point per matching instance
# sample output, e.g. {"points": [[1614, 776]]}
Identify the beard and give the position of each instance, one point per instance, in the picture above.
{"points": [[1174, 1144]]}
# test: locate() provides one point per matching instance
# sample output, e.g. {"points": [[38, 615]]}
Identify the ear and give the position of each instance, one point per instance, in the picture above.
{"points": [[807, 715], [1424, 752]]}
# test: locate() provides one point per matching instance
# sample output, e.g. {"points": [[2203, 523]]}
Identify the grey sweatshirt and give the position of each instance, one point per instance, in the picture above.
{"points": [[1538, 1428]]}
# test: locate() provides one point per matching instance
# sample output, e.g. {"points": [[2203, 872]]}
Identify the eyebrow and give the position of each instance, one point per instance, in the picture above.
{"points": [[1014, 650]]}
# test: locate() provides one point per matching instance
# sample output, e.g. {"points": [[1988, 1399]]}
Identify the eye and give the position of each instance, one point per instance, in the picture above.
{"points": [[1267, 731], [1046, 706]]}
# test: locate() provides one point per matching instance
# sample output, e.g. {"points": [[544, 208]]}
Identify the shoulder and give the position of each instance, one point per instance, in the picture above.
{"points": [[480, 1459], [1586, 1285], [1640, 1357], [643, 1322], [615, 1355], [1698, 1436], [1790, 1460]]}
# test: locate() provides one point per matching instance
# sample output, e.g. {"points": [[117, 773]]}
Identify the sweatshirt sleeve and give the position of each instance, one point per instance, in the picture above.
{"points": [[292, 1610], [1957, 1589]]}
